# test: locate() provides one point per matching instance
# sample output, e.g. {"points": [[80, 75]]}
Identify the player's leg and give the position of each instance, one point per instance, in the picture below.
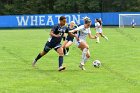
{"points": [[84, 47], [102, 35], [61, 54], [41, 54], [46, 50], [64, 37], [63, 46], [69, 43], [97, 39], [87, 57], [133, 26]]}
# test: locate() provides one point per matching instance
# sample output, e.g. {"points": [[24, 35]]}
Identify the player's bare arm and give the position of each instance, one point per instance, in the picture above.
{"points": [[73, 35], [91, 36], [54, 35]]}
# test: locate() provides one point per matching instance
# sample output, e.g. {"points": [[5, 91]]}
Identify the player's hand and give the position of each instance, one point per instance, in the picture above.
{"points": [[77, 38]]}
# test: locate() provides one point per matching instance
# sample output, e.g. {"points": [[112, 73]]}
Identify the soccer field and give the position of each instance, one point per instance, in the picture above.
{"points": [[119, 73]]}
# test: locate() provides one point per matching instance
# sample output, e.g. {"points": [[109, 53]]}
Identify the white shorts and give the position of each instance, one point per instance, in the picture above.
{"points": [[99, 30], [78, 42]]}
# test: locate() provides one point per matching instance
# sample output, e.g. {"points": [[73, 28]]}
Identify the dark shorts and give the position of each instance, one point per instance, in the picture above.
{"points": [[70, 39], [48, 46]]}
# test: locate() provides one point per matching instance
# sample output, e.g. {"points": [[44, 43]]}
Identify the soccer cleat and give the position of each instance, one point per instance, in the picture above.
{"points": [[67, 54], [82, 66], [97, 42], [34, 62], [61, 68]]}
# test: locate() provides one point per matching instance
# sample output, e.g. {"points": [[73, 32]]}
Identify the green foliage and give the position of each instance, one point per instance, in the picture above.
{"points": [[66, 6]]}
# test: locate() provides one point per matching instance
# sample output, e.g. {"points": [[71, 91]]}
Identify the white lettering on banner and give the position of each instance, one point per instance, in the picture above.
{"points": [[76, 20], [58, 16], [45, 20], [34, 20], [42, 20], [50, 20], [22, 21], [68, 18]]}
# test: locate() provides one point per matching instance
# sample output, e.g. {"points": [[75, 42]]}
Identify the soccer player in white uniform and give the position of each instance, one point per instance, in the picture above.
{"points": [[82, 32], [99, 31], [133, 23]]}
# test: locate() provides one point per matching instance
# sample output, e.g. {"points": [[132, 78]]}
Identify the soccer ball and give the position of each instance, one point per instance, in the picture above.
{"points": [[96, 63]]}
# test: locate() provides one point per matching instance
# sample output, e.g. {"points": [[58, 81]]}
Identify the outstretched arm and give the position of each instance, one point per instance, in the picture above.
{"points": [[74, 30], [73, 35], [91, 36]]}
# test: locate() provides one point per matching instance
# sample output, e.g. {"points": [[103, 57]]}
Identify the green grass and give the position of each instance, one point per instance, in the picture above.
{"points": [[120, 58]]}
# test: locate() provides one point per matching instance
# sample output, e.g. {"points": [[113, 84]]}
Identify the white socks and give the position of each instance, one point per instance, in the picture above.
{"points": [[84, 58], [105, 37], [97, 40]]}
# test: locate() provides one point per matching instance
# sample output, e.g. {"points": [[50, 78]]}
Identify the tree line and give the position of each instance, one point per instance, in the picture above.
{"points": [[14, 7]]}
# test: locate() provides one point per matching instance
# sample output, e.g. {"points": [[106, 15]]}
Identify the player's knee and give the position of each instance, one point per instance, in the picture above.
{"points": [[63, 46], [87, 47], [42, 53], [66, 46], [97, 35], [61, 53]]}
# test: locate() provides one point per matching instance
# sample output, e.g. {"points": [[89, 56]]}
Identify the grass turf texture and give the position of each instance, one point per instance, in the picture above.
{"points": [[119, 57]]}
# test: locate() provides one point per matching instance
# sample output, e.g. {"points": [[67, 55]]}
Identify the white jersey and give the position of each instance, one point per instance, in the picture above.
{"points": [[83, 32], [98, 27]]}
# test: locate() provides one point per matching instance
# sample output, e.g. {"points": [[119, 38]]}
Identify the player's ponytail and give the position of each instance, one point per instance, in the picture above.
{"points": [[99, 21]]}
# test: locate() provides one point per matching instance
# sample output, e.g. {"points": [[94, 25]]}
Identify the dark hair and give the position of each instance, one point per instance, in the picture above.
{"points": [[62, 17], [87, 21], [99, 21]]}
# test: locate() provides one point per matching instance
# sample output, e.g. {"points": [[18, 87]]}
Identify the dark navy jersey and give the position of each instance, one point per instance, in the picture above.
{"points": [[58, 30], [72, 28], [70, 37]]}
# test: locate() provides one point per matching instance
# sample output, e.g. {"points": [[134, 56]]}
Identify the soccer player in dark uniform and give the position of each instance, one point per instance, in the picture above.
{"points": [[69, 39], [56, 34]]}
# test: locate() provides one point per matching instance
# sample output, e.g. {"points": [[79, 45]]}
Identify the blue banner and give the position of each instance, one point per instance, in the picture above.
{"points": [[44, 20]]}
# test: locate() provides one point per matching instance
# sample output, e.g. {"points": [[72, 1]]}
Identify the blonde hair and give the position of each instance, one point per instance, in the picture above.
{"points": [[86, 18], [72, 22]]}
